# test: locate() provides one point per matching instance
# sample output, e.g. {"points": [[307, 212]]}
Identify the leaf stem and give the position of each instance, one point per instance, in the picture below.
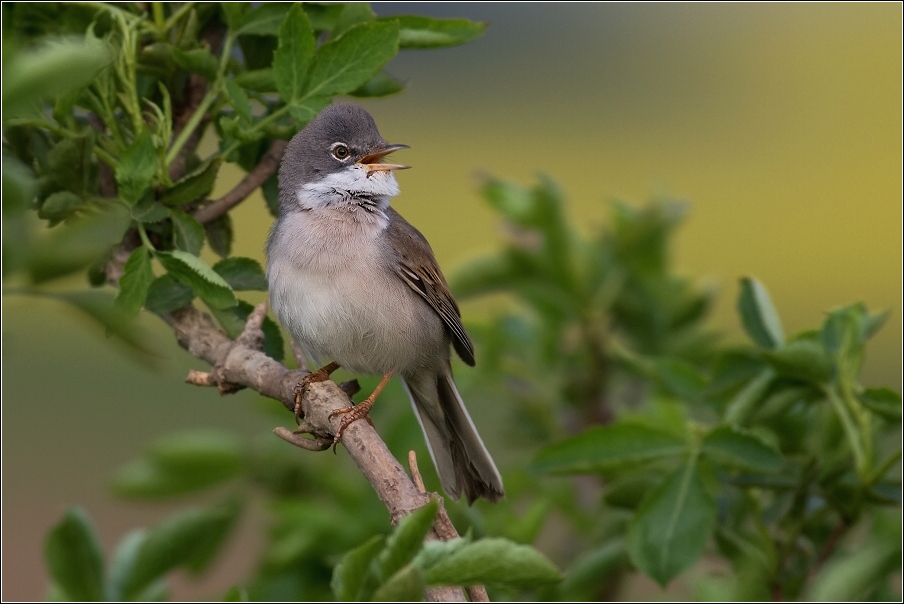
{"points": [[850, 430], [159, 18], [177, 15], [205, 104], [145, 239]]}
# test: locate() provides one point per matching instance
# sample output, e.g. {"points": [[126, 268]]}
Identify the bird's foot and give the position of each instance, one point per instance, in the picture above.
{"points": [[321, 375], [356, 412]]}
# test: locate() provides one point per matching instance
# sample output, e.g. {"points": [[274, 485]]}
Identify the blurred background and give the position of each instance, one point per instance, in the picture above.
{"points": [[779, 124]]}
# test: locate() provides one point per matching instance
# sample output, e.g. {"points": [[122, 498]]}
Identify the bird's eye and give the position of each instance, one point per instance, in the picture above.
{"points": [[340, 151]]}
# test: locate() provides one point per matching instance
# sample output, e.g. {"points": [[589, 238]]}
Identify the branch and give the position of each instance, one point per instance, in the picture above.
{"points": [[262, 171], [241, 363]]}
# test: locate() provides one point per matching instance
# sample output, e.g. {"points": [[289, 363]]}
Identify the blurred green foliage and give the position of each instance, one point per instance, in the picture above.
{"points": [[653, 446]]}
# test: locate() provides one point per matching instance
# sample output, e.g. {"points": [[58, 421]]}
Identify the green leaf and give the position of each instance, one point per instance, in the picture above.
{"points": [[188, 234], [238, 99], [71, 165], [801, 359], [265, 20], [242, 274], [193, 272], [739, 448], [60, 205], [605, 447], [237, 593], [166, 294], [851, 578], [198, 60], [425, 32], [220, 234], [189, 539], [270, 191], [884, 402], [406, 585], [293, 56], [406, 540], [760, 319], [258, 80], [233, 321], [744, 402], [136, 168], [74, 557], [192, 187], [352, 575], [629, 491], [48, 71], [123, 562], [591, 567], [380, 84], [235, 13], [135, 282], [672, 526], [79, 242], [352, 14], [182, 463], [343, 64], [99, 305], [492, 561], [306, 111], [148, 210]]}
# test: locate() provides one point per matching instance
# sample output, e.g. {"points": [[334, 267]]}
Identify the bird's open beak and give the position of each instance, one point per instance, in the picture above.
{"points": [[371, 162]]}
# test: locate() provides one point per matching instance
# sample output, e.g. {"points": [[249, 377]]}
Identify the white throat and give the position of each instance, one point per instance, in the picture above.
{"points": [[352, 186]]}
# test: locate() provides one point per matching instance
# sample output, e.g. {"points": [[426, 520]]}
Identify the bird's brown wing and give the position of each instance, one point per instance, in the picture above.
{"points": [[417, 267]]}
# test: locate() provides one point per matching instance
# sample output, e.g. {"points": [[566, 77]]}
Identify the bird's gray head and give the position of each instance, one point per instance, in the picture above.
{"points": [[336, 160]]}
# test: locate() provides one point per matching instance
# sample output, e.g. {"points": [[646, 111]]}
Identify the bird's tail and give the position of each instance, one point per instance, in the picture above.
{"points": [[462, 461]]}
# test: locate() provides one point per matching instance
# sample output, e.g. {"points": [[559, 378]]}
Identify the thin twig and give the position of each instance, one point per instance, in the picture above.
{"points": [[265, 169]]}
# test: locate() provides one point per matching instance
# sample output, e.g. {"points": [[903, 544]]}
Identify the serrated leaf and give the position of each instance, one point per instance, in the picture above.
{"points": [[884, 402], [136, 168], [492, 561], [758, 315], [188, 234], [258, 80], [74, 557], [166, 294], [801, 359], [266, 19], [406, 585], [604, 447], [70, 164], [736, 447], [189, 539], [60, 205], [416, 31], [242, 274], [669, 531], [233, 321], [355, 571], [238, 99], [343, 64], [135, 282], [220, 234], [192, 187], [293, 56], [406, 540], [198, 60], [193, 272], [381, 84]]}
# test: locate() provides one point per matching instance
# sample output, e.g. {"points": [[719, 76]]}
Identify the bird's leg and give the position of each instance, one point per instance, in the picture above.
{"points": [[321, 375], [356, 412]]}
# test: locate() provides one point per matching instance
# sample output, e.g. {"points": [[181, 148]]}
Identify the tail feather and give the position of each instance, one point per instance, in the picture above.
{"points": [[462, 461]]}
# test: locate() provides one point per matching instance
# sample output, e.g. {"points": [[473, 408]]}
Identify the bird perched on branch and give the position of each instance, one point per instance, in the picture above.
{"points": [[357, 286]]}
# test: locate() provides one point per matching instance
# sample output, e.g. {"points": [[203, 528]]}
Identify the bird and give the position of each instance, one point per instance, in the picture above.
{"points": [[359, 287]]}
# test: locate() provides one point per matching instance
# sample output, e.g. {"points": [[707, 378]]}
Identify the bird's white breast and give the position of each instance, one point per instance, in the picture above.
{"points": [[332, 287]]}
